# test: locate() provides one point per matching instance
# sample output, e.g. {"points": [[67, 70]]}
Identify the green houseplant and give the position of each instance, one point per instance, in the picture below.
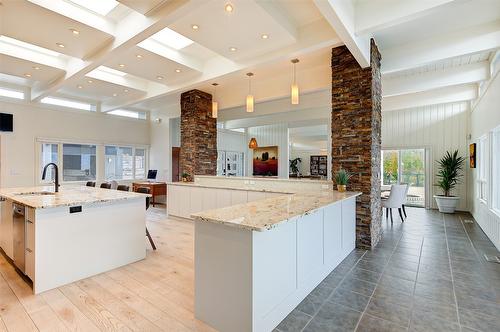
{"points": [[342, 177], [185, 177], [294, 165], [450, 172]]}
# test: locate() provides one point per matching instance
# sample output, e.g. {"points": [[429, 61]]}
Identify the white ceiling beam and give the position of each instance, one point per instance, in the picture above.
{"points": [[471, 40], [372, 16], [129, 32], [438, 96], [33, 56], [78, 14], [471, 73], [341, 16]]}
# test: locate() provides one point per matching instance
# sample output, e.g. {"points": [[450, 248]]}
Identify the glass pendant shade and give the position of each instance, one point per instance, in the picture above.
{"points": [[215, 109], [249, 103], [253, 143], [295, 94]]}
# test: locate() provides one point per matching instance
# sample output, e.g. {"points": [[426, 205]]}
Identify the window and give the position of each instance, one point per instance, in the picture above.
{"points": [[495, 183], [11, 93], [482, 176], [49, 154], [68, 103], [129, 114], [79, 162], [124, 163], [140, 163]]}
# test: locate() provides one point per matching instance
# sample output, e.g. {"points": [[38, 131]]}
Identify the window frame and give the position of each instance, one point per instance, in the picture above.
{"points": [[495, 164], [134, 149], [100, 159], [482, 176]]}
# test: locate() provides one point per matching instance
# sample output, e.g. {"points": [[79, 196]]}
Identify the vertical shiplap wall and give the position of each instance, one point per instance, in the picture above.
{"points": [[270, 136], [439, 128]]}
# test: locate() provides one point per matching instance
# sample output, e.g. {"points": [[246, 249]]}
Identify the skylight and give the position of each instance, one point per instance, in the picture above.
{"points": [[129, 114], [67, 103], [31, 47], [11, 93], [101, 7], [167, 37]]}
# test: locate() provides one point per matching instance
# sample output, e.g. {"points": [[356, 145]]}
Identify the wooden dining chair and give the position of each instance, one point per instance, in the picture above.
{"points": [[145, 190], [105, 185], [123, 187], [90, 184]]}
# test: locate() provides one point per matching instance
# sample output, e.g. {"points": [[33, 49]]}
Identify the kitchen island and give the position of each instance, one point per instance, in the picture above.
{"points": [[256, 261], [73, 234]]}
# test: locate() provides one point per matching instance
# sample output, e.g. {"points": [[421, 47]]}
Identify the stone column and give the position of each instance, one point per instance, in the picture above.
{"points": [[198, 154], [356, 136]]}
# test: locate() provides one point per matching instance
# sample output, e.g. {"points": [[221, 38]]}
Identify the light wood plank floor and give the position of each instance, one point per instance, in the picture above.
{"points": [[156, 294]]}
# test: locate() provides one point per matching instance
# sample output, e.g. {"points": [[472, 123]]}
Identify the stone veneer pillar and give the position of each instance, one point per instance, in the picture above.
{"points": [[356, 136], [198, 155]]}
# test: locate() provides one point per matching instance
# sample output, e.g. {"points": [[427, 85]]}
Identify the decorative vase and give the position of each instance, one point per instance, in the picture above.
{"points": [[446, 204], [342, 188], [184, 179]]}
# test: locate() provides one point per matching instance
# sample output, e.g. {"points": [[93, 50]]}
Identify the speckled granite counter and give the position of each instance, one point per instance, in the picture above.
{"points": [[268, 213], [65, 196], [230, 187]]}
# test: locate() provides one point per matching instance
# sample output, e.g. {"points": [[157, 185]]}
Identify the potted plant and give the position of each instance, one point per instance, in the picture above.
{"points": [[294, 166], [185, 177], [450, 168], [342, 177]]}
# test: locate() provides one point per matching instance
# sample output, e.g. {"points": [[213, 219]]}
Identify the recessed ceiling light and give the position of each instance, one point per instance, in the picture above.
{"points": [[177, 70], [233, 49], [121, 65], [60, 45], [79, 86], [228, 8], [125, 90], [115, 94], [27, 75], [90, 81], [159, 77], [75, 32], [138, 56], [195, 27], [36, 68], [264, 36]]}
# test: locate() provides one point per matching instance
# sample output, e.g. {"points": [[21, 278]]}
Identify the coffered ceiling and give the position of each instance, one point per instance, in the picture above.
{"points": [[141, 54]]}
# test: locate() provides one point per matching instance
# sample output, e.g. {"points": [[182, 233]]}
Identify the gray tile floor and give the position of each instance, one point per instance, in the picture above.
{"points": [[426, 274]]}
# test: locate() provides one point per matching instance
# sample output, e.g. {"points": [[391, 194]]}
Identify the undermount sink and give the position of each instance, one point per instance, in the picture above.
{"points": [[36, 193]]}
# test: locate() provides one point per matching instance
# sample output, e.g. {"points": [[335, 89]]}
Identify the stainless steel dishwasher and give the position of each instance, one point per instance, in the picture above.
{"points": [[19, 236]]}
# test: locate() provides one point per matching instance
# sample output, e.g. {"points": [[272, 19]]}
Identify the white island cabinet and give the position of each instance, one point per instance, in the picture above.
{"points": [[255, 262], [73, 234]]}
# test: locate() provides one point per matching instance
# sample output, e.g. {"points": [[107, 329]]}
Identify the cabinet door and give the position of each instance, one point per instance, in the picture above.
{"points": [[348, 224], [196, 199], [223, 198], [6, 229], [309, 246], [209, 199], [238, 197], [30, 247], [332, 232], [173, 200], [184, 201]]}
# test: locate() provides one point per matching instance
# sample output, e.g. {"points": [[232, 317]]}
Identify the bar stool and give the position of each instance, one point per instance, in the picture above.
{"points": [[106, 185], [90, 184], [123, 187], [144, 190]]}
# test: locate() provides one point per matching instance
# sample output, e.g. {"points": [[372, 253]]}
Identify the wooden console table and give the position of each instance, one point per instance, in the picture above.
{"points": [[155, 188]]}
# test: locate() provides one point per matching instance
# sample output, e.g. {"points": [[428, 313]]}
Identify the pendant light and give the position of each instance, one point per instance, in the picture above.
{"points": [[295, 87], [215, 105], [249, 96], [253, 143]]}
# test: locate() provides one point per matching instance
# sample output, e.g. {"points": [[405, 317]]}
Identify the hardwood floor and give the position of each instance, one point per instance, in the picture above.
{"points": [[156, 294]]}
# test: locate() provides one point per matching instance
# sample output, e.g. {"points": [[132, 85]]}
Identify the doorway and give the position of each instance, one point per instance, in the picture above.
{"points": [[176, 153], [406, 166]]}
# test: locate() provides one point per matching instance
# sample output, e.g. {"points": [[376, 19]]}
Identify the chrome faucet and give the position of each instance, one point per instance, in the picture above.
{"points": [[56, 178]]}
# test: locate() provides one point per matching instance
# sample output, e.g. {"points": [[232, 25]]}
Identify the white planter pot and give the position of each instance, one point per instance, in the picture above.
{"points": [[447, 204]]}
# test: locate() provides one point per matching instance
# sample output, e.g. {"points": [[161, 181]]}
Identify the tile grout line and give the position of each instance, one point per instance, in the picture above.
{"points": [[451, 272], [334, 289], [381, 274], [415, 283]]}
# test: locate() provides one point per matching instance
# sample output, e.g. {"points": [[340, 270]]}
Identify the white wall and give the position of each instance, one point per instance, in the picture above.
{"points": [[484, 117], [439, 128], [272, 135], [35, 121], [160, 150]]}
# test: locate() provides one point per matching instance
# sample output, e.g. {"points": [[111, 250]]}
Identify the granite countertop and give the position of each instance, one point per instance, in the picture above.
{"points": [[263, 178], [65, 196], [266, 214], [229, 187]]}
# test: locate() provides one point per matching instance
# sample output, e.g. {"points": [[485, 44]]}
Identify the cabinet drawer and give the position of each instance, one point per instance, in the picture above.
{"points": [[30, 264], [30, 235]]}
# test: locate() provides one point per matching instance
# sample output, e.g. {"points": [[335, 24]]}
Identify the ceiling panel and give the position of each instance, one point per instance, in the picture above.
{"points": [[143, 6], [36, 25], [101, 91], [242, 29], [20, 68]]}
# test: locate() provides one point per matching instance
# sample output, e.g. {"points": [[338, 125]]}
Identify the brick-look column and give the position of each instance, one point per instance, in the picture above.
{"points": [[198, 154], [356, 136]]}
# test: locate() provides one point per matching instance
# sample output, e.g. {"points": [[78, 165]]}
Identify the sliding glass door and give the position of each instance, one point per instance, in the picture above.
{"points": [[405, 166]]}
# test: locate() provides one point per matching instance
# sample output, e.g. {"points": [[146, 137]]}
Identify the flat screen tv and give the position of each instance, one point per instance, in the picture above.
{"points": [[6, 122]]}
